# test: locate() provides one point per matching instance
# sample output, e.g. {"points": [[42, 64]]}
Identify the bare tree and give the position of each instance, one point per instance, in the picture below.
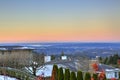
{"points": [[36, 63]]}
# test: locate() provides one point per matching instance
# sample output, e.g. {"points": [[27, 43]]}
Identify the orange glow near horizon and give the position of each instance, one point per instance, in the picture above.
{"points": [[92, 34]]}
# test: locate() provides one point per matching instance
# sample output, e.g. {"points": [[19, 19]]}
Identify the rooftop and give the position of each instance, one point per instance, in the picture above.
{"points": [[103, 67], [6, 48]]}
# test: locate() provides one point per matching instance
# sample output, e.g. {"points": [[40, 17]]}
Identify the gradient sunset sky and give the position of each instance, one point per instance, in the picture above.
{"points": [[59, 20]]}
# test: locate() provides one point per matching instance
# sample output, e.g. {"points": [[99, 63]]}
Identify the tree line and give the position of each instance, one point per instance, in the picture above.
{"points": [[60, 74], [110, 60]]}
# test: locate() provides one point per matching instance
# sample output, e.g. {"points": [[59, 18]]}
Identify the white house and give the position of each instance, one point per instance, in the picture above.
{"points": [[63, 57], [110, 71], [47, 59]]}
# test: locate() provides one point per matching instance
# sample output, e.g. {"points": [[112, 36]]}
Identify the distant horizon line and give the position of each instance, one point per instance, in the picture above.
{"points": [[62, 42]]}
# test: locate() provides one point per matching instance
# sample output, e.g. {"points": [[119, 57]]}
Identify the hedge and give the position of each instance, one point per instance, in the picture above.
{"points": [[16, 73]]}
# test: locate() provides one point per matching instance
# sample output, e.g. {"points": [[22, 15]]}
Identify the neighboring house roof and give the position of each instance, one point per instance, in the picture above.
{"points": [[2, 49], [8, 48], [103, 67]]}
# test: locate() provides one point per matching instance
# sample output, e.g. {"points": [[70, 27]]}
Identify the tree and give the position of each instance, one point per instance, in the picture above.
{"points": [[115, 58], [95, 66], [87, 76], [95, 76], [60, 74], [54, 73], [67, 74], [100, 60], [102, 76], [110, 60], [119, 75], [79, 75], [118, 61], [36, 63], [105, 60], [52, 57], [62, 53], [73, 76]]}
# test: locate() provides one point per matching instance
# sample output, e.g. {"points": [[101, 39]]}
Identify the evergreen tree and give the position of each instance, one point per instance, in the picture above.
{"points": [[119, 75], [54, 73], [95, 76], [73, 76], [52, 57], [60, 74], [115, 58], [62, 53], [67, 74], [79, 75], [87, 76], [110, 60], [105, 60], [100, 60], [105, 78]]}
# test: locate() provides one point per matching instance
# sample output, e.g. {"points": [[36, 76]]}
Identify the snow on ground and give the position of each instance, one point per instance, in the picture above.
{"points": [[6, 78], [47, 70]]}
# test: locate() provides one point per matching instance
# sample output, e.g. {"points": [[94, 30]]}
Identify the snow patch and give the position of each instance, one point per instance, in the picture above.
{"points": [[46, 70], [2, 77]]}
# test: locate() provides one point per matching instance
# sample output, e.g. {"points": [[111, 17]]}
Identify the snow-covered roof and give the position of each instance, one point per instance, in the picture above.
{"points": [[116, 69], [23, 48], [45, 70], [3, 49], [2, 77], [6, 48], [103, 67], [63, 57]]}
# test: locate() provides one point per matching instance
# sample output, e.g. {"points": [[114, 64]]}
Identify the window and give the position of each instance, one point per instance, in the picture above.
{"points": [[116, 74]]}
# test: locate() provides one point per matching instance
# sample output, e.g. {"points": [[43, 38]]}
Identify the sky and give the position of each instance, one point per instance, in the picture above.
{"points": [[59, 20]]}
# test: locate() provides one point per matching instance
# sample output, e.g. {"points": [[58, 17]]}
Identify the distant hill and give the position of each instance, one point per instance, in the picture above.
{"points": [[74, 48]]}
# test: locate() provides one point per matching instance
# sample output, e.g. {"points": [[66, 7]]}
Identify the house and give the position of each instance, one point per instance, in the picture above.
{"points": [[63, 57], [18, 54], [110, 71], [47, 59]]}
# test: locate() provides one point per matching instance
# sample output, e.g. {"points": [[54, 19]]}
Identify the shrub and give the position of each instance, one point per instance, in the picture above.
{"points": [[87, 76], [67, 74], [17, 74], [95, 76], [60, 74], [73, 76], [79, 75], [54, 73]]}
